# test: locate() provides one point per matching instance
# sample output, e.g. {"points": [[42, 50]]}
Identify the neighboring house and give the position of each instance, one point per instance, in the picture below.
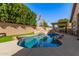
{"points": [[75, 18]]}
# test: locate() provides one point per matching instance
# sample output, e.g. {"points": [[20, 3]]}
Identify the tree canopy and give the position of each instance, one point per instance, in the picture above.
{"points": [[17, 13], [63, 22], [45, 23]]}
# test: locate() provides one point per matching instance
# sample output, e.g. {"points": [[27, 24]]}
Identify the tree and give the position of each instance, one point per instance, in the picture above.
{"points": [[17, 13], [39, 17], [62, 23], [45, 23]]}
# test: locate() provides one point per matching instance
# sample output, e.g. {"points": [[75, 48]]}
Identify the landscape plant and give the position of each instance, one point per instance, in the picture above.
{"points": [[17, 13]]}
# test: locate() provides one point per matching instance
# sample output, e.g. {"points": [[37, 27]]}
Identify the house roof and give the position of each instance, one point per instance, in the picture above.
{"points": [[73, 10]]}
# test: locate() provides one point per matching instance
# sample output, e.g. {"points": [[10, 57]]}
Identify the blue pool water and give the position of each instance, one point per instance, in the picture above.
{"points": [[40, 41]]}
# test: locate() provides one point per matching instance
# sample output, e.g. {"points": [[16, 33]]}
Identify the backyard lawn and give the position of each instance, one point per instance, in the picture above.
{"points": [[5, 39], [10, 38]]}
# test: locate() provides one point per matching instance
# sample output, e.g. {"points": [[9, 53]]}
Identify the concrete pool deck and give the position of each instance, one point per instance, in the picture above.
{"points": [[9, 48], [70, 47]]}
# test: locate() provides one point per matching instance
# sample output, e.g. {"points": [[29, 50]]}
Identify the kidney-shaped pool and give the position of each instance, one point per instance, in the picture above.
{"points": [[40, 40]]}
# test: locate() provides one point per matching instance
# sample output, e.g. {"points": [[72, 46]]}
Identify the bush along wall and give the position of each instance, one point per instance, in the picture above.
{"points": [[17, 13]]}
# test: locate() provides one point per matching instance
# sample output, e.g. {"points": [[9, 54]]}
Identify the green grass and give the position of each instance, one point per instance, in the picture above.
{"points": [[5, 39], [10, 38], [23, 34]]}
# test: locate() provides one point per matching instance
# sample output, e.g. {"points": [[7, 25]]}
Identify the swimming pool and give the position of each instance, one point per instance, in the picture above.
{"points": [[40, 40]]}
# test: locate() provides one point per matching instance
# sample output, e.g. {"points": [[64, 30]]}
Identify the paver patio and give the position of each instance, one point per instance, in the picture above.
{"points": [[70, 47]]}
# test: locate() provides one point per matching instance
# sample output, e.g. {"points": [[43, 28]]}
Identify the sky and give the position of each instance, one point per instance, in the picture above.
{"points": [[51, 12]]}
